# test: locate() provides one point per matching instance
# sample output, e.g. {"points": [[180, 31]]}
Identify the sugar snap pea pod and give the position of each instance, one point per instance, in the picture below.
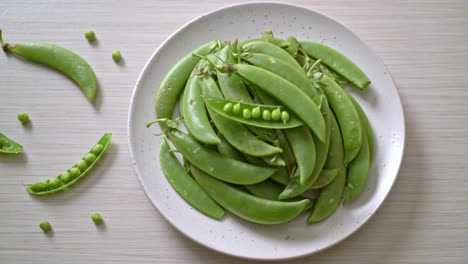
{"points": [[335, 158], [185, 185], [277, 66], [346, 114], [281, 176], [358, 171], [290, 44], [61, 59], [275, 160], [225, 149], [304, 151], [328, 199], [74, 174], [195, 114], [337, 62], [285, 92], [8, 145], [288, 154], [245, 205], [211, 162], [235, 133], [270, 49], [366, 126], [218, 105], [326, 176], [174, 82]]}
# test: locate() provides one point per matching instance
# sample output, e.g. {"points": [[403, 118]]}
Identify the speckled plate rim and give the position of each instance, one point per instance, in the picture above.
{"points": [[137, 170]]}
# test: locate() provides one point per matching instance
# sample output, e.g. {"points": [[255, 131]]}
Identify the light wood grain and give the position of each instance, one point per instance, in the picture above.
{"points": [[424, 220]]}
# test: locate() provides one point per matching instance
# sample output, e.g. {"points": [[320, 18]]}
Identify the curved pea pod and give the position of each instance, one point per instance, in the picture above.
{"points": [[304, 151], [59, 58], [235, 133], [346, 114], [68, 178], [265, 47], [281, 176], [335, 157], [211, 162], [185, 185], [247, 206], [218, 105], [174, 81], [366, 126], [8, 145], [195, 114], [358, 171], [328, 199], [279, 67], [287, 93], [275, 160], [326, 176], [290, 44], [337, 62], [288, 154], [225, 149]]}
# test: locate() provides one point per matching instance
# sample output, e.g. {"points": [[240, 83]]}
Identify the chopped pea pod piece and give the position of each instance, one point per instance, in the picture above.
{"points": [[7, 145], [218, 104], [71, 176]]}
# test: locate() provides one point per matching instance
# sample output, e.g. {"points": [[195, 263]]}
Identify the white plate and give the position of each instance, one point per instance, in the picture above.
{"points": [[233, 235]]}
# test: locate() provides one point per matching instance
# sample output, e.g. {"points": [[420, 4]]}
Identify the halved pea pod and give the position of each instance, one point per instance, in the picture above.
{"points": [[67, 179], [218, 105], [8, 145]]}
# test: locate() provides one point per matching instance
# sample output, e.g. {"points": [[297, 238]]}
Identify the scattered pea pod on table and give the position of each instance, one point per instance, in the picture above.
{"points": [[268, 116], [78, 171], [61, 59], [8, 145]]}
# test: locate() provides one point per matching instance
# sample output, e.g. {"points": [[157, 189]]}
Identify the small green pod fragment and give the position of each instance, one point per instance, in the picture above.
{"points": [[266, 115], [82, 165], [228, 107], [285, 116], [45, 226], [55, 182], [75, 172], [276, 114], [246, 114], [7, 145], [256, 113], [236, 109]]}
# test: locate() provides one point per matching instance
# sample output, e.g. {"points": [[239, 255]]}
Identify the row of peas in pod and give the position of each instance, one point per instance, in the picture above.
{"points": [[272, 133]]}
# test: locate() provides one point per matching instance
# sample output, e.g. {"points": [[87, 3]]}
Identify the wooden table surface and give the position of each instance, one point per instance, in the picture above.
{"points": [[424, 220]]}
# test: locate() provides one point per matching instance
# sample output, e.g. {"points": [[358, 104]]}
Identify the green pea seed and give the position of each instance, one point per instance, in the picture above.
{"points": [[75, 172], [256, 113], [97, 218], [236, 109], [116, 55], [55, 182], [90, 35], [45, 226], [82, 165], [90, 158], [23, 117], [246, 114], [97, 149], [40, 186], [276, 114], [227, 107], [65, 177], [285, 116], [266, 115]]}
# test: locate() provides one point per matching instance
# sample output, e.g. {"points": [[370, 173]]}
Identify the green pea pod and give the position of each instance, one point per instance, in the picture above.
{"points": [[218, 105], [358, 171], [293, 46], [288, 154], [270, 49], [247, 206], [287, 93], [328, 199], [74, 174], [225, 149], [61, 59], [8, 145], [335, 158], [279, 67], [235, 133], [346, 114], [275, 160], [211, 162], [326, 176], [185, 185], [195, 114], [174, 82], [281, 176], [366, 126], [337, 62]]}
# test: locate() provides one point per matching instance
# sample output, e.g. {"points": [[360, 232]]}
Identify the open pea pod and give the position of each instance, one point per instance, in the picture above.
{"points": [[227, 108], [8, 145], [245, 205], [74, 174]]}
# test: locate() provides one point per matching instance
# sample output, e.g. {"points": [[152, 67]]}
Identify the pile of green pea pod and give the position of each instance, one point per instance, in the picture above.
{"points": [[268, 122]]}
